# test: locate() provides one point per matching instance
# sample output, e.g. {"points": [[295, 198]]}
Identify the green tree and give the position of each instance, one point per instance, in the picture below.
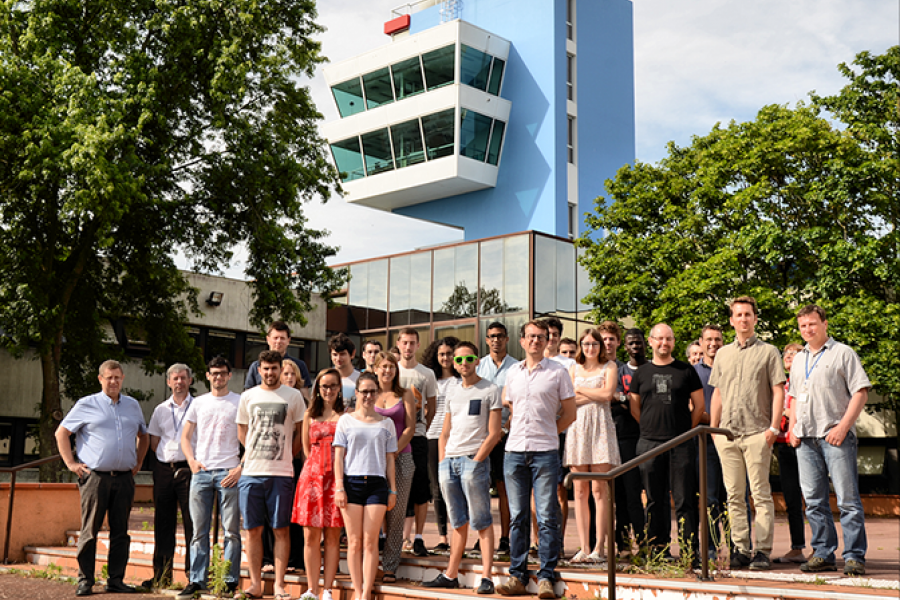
{"points": [[787, 208], [129, 131]]}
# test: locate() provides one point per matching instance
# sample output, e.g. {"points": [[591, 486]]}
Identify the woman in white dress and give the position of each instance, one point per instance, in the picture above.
{"points": [[591, 440]]}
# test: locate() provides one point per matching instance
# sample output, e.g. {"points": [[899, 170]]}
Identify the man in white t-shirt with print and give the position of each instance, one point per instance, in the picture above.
{"points": [[471, 430], [422, 381], [269, 422], [210, 443]]}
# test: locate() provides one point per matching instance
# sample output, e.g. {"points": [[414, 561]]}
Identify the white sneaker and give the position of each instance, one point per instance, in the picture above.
{"points": [[326, 595], [307, 595]]}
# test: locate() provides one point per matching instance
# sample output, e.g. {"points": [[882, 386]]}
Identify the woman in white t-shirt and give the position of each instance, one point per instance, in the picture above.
{"points": [[364, 448], [439, 358]]}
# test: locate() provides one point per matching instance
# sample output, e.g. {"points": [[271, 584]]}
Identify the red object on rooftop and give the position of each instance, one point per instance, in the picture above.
{"points": [[396, 25]]}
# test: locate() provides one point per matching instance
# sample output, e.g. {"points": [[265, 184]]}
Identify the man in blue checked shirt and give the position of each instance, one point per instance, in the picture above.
{"points": [[111, 441]]}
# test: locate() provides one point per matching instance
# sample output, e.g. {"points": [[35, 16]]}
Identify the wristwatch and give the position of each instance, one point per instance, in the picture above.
{"points": [[775, 431]]}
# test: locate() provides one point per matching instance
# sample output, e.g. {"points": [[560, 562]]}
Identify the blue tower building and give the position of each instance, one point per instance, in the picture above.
{"points": [[470, 116]]}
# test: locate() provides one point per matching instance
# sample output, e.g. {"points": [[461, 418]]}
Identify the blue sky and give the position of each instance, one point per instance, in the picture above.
{"points": [[697, 63]]}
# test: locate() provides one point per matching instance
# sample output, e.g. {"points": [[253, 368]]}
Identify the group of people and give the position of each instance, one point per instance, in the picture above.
{"points": [[373, 448]]}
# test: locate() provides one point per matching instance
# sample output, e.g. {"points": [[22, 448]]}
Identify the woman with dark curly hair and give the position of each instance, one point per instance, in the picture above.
{"points": [[439, 358]]}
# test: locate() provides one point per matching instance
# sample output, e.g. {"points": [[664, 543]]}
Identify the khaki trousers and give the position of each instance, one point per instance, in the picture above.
{"points": [[746, 459]]}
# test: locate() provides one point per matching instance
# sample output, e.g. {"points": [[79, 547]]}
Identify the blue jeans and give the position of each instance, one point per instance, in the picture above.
{"points": [[204, 485], [524, 472], [817, 459], [466, 487]]}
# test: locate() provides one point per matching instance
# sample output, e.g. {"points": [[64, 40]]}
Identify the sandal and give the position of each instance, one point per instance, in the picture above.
{"points": [[243, 594], [388, 578], [580, 558]]}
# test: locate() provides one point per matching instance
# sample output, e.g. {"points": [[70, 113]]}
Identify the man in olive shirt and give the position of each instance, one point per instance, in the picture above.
{"points": [[748, 400]]}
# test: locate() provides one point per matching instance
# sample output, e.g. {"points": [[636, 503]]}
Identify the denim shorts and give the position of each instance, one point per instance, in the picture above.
{"points": [[466, 487], [366, 489], [266, 499]]}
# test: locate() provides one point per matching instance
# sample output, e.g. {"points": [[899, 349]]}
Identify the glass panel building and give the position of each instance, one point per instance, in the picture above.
{"points": [[461, 288]]}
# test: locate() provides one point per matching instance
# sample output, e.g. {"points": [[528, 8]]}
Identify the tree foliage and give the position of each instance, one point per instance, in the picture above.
{"points": [[787, 208], [130, 130]]}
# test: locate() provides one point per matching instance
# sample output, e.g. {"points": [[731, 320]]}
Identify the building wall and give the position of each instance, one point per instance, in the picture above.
{"points": [[605, 93], [531, 186]]}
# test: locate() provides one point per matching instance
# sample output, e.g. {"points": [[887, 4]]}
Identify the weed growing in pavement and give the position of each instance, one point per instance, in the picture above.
{"points": [[219, 568]]}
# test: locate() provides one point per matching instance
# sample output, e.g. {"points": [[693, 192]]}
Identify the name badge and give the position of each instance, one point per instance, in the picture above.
{"points": [[803, 397], [171, 446]]}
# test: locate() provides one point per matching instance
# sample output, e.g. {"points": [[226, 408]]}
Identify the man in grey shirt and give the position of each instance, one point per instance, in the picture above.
{"points": [[471, 430], [830, 389]]}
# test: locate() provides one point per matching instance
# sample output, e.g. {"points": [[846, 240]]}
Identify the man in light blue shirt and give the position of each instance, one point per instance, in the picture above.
{"points": [[111, 442], [495, 367]]}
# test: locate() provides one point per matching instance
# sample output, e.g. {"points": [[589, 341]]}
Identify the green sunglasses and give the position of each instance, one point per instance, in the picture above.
{"points": [[461, 359]]}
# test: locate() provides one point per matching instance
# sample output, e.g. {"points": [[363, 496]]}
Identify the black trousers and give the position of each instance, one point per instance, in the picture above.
{"points": [[420, 493], [102, 495], [629, 502], [789, 475], [171, 492], [440, 507], [675, 472]]}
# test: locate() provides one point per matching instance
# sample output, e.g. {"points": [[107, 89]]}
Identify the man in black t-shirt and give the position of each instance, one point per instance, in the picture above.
{"points": [[667, 400]]}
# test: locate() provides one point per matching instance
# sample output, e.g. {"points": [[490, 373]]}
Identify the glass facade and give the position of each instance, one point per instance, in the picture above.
{"points": [[460, 289], [412, 76], [411, 142]]}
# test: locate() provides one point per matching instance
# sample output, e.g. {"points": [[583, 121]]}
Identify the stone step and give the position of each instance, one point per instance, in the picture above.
{"points": [[575, 584]]}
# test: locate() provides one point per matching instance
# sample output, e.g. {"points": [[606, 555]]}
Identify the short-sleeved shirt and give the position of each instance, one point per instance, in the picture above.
{"points": [[745, 376], [470, 410], [665, 392], [835, 374], [423, 380], [565, 361], [106, 431], [166, 423], [626, 427], [445, 388], [254, 379], [536, 398], [271, 418], [366, 444], [216, 444], [487, 369]]}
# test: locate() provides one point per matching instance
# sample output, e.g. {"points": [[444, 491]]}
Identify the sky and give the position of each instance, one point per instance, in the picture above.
{"points": [[696, 63]]}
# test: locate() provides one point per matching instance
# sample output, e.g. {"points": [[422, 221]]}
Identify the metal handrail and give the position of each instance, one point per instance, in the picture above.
{"points": [[12, 494], [611, 475]]}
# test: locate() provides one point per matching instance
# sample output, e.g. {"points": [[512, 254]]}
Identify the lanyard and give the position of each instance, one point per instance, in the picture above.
{"points": [[178, 422], [816, 362]]}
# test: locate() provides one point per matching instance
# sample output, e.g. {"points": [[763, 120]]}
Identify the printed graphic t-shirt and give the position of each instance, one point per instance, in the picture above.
{"points": [[665, 393], [271, 418]]}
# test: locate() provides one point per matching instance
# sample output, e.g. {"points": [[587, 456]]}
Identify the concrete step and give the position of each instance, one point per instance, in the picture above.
{"points": [[576, 583]]}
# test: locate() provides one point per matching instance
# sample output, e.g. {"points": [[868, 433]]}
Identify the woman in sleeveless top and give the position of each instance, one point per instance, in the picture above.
{"points": [[399, 405], [591, 443], [314, 504]]}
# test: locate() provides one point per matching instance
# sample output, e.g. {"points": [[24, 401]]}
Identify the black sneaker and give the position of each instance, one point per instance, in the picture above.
{"points": [[503, 546], [442, 547], [148, 584], [760, 562], [740, 560], [442, 581], [419, 547], [486, 587], [189, 590]]}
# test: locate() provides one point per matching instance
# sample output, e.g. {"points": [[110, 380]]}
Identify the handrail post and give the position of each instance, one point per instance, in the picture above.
{"points": [[12, 496], [611, 538], [704, 513]]}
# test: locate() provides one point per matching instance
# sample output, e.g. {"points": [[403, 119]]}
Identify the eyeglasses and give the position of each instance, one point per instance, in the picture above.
{"points": [[469, 358], [534, 337], [329, 387], [496, 336], [366, 392], [214, 374], [590, 344]]}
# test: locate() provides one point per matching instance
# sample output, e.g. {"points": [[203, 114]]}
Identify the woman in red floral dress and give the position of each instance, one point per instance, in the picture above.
{"points": [[314, 505]]}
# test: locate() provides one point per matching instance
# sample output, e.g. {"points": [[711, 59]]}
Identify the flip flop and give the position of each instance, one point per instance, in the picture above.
{"points": [[388, 578], [243, 594]]}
